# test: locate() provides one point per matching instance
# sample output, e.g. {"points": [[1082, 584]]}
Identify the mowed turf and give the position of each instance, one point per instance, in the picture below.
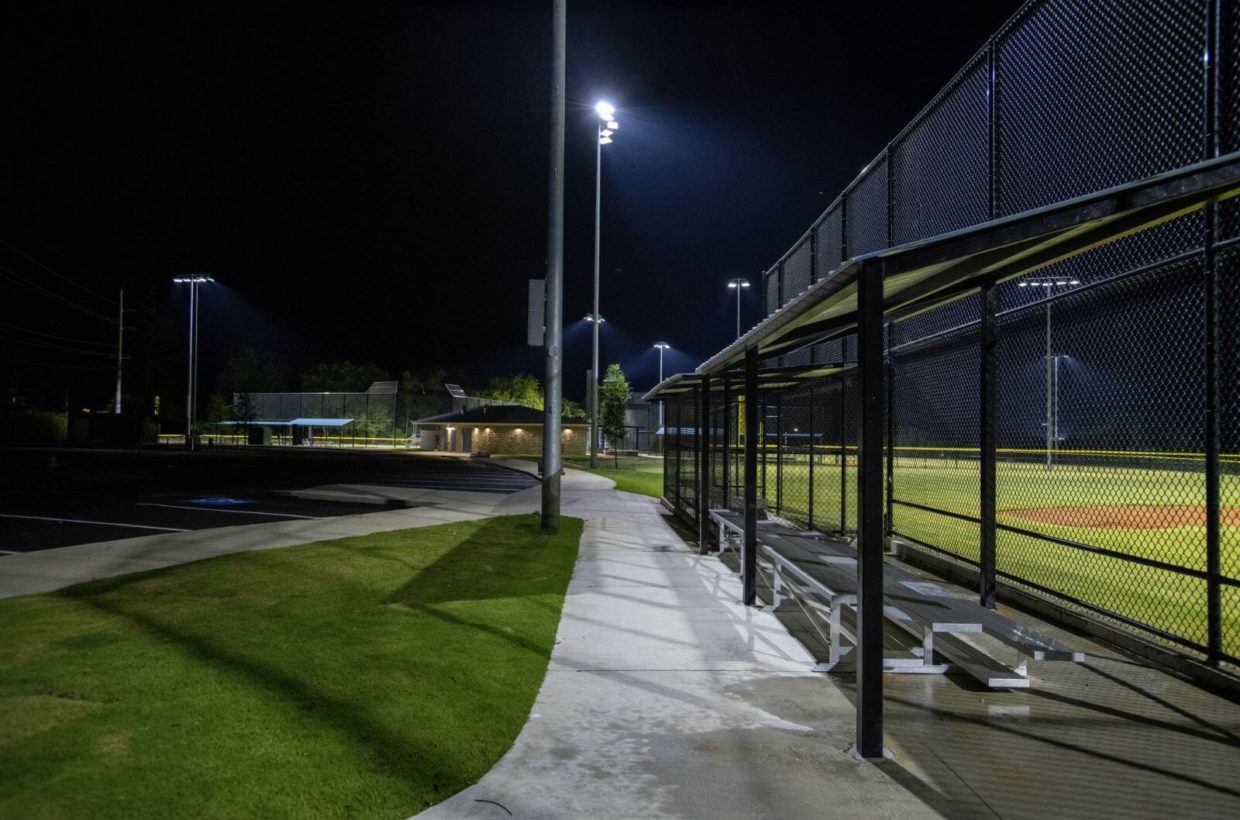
{"points": [[1166, 600], [643, 476], [364, 677]]}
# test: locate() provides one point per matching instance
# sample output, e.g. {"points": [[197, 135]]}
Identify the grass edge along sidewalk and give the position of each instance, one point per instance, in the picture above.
{"points": [[640, 475], [370, 676]]}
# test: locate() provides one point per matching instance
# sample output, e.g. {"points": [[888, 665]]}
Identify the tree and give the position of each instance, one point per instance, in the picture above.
{"points": [[613, 406], [573, 410], [249, 371], [520, 388]]}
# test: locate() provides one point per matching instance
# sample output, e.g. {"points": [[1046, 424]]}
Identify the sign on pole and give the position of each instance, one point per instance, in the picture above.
{"points": [[535, 315]]}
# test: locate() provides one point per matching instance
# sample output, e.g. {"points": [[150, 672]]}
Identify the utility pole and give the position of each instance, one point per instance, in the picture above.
{"points": [[120, 349], [553, 386]]}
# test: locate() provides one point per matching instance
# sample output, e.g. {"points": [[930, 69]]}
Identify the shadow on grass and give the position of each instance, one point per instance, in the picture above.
{"points": [[375, 741], [481, 568]]}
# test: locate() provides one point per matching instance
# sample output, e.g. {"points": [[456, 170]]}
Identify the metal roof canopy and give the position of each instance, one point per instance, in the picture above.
{"points": [[923, 275], [771, 378]]}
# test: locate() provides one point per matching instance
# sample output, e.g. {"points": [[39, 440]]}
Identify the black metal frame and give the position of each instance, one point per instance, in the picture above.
{"points": [[858, 280]]}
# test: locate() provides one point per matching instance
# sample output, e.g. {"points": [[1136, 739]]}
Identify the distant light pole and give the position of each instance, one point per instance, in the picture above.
{"points": [[737, 285], [191, 393], [661, 346], [606, 113], [120, 350], [1049, 283]]}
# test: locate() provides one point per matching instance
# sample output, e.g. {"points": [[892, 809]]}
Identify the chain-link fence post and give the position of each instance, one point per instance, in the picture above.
{"points": [[704, 475]]}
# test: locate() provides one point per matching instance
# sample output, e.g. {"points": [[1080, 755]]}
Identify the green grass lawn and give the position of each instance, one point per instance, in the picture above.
{"points": [[1169, 601], [643, 476], [364, 677]]}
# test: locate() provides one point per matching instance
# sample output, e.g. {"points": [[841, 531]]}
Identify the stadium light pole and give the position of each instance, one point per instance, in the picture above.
{"points": [[738, 285], [1048, 284], [553, 337], [606, 114], [191, 393], [661, 346]]}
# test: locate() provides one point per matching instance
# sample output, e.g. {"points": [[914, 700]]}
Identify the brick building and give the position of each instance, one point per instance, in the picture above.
{"points": [[510, 429]]}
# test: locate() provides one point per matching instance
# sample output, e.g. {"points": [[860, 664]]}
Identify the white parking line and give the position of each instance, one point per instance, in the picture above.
{"points": [[9, 552], [96, 523], [216, 509]]}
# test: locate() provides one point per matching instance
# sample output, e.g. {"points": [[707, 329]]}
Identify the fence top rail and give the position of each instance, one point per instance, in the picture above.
{"points": [[922, 275]]}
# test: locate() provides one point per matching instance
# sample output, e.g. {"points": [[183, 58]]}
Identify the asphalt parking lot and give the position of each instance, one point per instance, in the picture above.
{"points": [[55, 497]]}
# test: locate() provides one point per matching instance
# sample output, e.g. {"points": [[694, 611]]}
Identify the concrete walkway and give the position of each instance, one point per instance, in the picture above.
{"points": [[50, 569], [667, 698]]}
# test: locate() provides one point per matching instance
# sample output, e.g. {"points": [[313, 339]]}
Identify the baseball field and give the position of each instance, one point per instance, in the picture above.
{"points": [[1111, 506]]}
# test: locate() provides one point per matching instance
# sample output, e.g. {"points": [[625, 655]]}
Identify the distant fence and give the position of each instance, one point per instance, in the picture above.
{"points": [[1117, 452], [371, 418]]}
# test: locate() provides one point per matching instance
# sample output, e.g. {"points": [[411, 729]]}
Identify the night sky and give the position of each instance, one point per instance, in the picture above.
{"points": [[368, 180]]}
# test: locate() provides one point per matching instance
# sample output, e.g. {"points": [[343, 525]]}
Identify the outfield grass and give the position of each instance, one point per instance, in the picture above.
{"points": [[363, 677], [643, 476], [1160, 598]]}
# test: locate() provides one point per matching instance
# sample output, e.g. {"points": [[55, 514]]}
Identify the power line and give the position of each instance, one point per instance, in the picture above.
{"points": [[19, 329], [34, 287], [57, 274], [54, 346], [59, 366]]}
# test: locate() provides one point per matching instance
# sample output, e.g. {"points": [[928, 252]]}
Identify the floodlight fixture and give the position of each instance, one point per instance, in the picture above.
{"points": [[590, 318], [613, 125], [195, 279], [662, 346], [606, 110], [1048, 282]]}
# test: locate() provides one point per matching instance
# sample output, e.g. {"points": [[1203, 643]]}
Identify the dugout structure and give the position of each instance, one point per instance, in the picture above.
{"points": [[341, 419], [1011, 342]]}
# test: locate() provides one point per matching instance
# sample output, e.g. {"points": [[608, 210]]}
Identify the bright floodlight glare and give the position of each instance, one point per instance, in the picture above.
{"points": [[662, 346], [605, 141], [613, 125], [605, 110], [192, 279], [590, 318]]}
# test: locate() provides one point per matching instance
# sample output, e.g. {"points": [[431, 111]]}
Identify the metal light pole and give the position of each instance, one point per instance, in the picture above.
{"points": [[553, 385], [737, 285], [606, 111], [1047, 283], [191, 393], [661, 346], [120, 350]]}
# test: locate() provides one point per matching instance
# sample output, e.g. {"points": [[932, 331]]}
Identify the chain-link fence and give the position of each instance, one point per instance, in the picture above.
{"points": [[1116, 374], [366, 419]]}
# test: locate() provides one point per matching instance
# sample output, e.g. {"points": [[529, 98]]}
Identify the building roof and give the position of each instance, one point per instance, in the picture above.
{"points": [[514, 414]]}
